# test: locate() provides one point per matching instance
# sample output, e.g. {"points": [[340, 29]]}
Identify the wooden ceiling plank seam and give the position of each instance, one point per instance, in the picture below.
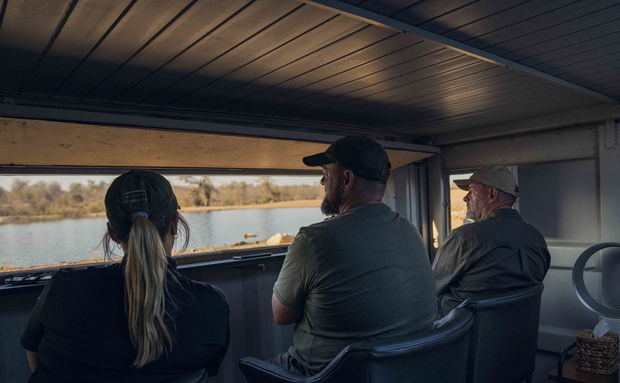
{"points": [[5, 3], [142, 21], [268, 65], [447, 12], [382, 49], [187, 95], [405, 88], [95, 46], [343, 82], [237, 68], [498, 117], [50, 43], [387, 37], [543, 49], [561, 27], [329, 62], [316, 51], [287, 93], [262, 56], [472, 101], [565, 118], [337, 102], [410, 78], [186, 49], [421, 11], [588, 65], [489, 15], [506, 20], [190, 30], [481, 98], [74, 42], [409, 99], [431, 85], [142, 47], [552, 98], [529, 31], [213, 59], [574, 58], [470, 96], [483, 7], [394, 13], [456, 45]]}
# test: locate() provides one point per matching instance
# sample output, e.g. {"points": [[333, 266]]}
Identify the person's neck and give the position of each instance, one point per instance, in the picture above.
{"points": [[489, 209], [353, 203]]}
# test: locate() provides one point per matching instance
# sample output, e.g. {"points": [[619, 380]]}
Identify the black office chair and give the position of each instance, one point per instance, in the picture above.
{"points": [[433, 356], [504, 336]]}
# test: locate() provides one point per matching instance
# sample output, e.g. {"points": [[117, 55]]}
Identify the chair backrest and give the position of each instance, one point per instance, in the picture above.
{"points": [[504, 336], [197, 376], [432, 356]]}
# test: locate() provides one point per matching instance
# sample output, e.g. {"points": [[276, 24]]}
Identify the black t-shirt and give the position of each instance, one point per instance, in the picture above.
{"points": [[79, 329]]}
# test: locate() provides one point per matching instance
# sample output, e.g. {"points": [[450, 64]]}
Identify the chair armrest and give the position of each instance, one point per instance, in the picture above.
{"points": [[259, 371]]}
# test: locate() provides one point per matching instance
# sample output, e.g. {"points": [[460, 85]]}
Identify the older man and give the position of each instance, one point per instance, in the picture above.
{"points": [[364, 273], [498, 252]]}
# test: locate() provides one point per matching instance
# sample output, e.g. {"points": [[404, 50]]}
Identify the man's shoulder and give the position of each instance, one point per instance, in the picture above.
{"points": [[469, 231]]}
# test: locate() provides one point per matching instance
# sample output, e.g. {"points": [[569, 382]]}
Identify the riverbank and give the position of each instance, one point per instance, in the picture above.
{"points": [[23, 219], [277, 239]]}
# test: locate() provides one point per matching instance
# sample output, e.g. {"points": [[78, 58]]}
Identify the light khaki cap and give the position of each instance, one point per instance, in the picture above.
{"points": [[499, 177]]}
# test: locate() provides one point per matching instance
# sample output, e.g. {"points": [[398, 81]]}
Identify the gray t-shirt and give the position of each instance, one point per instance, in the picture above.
{"points": [[364, 274], [498, 254]]}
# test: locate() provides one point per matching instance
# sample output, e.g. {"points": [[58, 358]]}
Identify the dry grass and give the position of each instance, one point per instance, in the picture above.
{"points": [[271, 205]]}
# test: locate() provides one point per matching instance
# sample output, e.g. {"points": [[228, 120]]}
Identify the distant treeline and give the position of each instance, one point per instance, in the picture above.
{"points": [[43, 198]]}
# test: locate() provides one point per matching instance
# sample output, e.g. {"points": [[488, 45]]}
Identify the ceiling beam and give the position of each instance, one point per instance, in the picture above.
{"points": [[383, 21], [182, 122], [566, 118]]}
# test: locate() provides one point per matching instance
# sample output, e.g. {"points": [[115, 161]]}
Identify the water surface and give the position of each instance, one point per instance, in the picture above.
{"points": [[40, 243]]}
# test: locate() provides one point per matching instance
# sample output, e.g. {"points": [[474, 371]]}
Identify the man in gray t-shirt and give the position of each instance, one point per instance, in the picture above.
{"points": [[362, 274]]}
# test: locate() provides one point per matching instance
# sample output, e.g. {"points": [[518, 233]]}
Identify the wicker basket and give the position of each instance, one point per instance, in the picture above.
{"points": [[597, 355]]}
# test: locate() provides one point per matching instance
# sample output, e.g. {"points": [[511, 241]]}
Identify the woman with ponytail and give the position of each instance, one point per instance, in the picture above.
{"points": [[134, 321]]}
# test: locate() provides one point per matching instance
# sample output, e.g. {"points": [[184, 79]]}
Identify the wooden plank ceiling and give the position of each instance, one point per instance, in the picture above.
{"points": [[295, 61]]}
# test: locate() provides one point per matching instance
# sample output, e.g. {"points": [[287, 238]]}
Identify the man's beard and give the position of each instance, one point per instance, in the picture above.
{"points": [[331, 203]]}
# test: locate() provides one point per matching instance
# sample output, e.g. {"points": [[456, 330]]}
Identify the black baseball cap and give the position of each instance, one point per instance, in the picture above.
{"points": [[362, 155]]}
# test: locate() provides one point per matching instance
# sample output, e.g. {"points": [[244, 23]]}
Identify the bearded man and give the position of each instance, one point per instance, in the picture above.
{"points": [[497, 253], [362, 274]]}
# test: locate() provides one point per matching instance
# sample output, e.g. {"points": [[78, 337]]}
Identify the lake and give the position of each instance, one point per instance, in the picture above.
{"points": [[40, 243]]}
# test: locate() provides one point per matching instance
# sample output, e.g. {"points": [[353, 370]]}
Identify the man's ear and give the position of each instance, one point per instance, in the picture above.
{"points": [[348, 179], [493, 195]]}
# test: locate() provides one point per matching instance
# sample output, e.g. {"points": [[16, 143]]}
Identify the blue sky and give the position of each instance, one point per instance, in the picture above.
{"points": [[7, 180]]}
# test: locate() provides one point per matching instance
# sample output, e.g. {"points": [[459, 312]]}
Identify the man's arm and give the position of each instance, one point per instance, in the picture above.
{"points": [[283, 314], [294, 282]]}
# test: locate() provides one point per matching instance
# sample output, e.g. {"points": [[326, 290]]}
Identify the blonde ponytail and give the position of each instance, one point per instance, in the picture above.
{"points": [[141, 207], [146, 290]]}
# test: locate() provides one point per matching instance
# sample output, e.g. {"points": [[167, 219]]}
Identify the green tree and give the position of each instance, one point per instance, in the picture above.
{"points": [[203, 188]]}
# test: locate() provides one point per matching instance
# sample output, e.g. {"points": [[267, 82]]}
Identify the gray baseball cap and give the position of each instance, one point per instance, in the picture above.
{"points": [[499, 177]]}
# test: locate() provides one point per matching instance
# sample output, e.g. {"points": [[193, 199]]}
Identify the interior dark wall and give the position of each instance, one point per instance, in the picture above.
{"points": [[247, 287]]}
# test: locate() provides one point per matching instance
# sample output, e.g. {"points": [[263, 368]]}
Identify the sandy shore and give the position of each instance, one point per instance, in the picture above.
{"points": [[273, 205]]}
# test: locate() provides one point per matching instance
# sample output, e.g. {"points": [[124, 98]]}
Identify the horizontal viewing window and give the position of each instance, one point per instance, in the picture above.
{"points": [[56, 220], [458, 207]]}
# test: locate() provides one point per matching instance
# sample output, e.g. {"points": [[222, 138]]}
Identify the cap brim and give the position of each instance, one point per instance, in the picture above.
{"points": [[318, 159], [463, 184]]}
